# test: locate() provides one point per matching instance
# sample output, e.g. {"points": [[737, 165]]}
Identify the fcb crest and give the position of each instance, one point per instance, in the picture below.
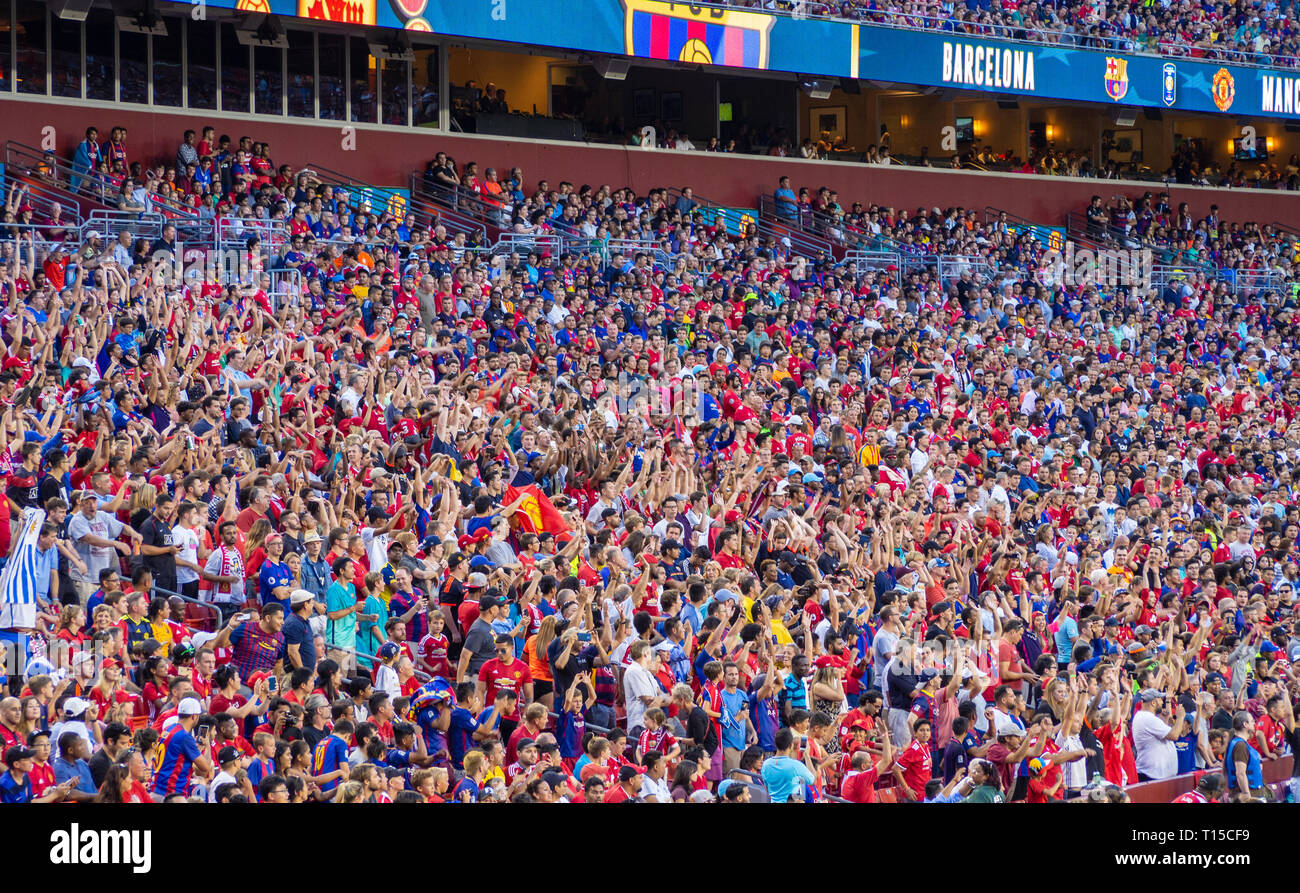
{"points": [[1169, 84], [696, 34], [1224, 89], [1116, 78]]}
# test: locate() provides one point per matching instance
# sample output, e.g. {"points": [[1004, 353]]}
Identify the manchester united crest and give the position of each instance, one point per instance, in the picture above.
{"points": [[1225, 89]]}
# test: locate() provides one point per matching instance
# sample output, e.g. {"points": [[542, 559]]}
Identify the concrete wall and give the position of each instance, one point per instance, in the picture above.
{"points": [[387, 157]]}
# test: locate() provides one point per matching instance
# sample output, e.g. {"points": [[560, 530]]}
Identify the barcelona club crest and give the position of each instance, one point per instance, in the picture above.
{"points": [[697, 34], [1225, 89], [1116, 78], [1169, 83]]}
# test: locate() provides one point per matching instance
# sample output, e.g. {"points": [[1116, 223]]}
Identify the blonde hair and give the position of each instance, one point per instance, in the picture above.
{"points": [[475, 762], [144, 497], [257, 535], [349, 792]]}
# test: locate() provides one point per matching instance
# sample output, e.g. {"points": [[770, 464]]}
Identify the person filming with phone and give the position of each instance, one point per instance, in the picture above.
{"points": [[258, 646]]}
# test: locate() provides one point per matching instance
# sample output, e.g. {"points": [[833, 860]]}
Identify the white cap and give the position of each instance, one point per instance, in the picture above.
{"points": [[75, 707], [795, 420], [189, 707]]}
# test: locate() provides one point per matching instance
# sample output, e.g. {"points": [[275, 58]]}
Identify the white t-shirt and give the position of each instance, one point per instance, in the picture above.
{"points": [[638, 681], [1155, 757], [188, 541], [223, 777]]}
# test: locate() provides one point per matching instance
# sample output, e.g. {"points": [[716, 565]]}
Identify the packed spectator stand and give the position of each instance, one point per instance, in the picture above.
{"points": [[562, 493]]}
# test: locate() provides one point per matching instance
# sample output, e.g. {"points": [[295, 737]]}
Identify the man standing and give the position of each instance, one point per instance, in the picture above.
{"points": [[735, 717], [257, 646], [158, 546], [341, 609], [316, 575], [95, 535], [506, 673], [641, 689], [784, 774], [1154, 749], [299, 640], [182, 753], [480, 640]]}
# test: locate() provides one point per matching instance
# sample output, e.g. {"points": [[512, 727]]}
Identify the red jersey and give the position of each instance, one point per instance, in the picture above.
{"points": [[860, 787], [136, 793], [433, 651], [497, 676], [916, 766]]}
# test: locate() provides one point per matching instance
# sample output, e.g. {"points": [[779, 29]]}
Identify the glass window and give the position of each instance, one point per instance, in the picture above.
{"points": [[201, 64], [133, 63], [333, 89], [101, 67], [234, 71], [65, 45], [362, 73], [6, 32], [301, 85], [424, 87], [167, 80], [397, 92], [31, 47], [269, 65]]}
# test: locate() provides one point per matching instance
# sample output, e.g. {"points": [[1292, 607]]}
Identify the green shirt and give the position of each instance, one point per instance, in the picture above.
{"points": [[341, 633], [985, 793], [369, 630]]}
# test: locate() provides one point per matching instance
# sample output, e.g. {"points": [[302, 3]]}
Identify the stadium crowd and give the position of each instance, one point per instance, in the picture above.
{"points": [[708, 520]]}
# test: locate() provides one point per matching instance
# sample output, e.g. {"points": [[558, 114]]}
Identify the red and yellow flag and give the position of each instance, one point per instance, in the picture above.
{"points": [[537, 514]]}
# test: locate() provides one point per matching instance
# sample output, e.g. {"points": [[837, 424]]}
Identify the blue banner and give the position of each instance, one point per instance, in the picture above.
{"points": [[745, 38]]}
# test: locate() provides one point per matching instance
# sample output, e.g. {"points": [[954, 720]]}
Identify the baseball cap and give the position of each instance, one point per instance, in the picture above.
{"points": [[476, 581], [75, 707], [388, 650], [1150, 694], [18, 752], [227, 754], [312, 537], [299, 596], [189, 707]]}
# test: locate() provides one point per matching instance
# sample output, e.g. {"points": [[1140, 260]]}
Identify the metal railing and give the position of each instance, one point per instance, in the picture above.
{"points": [[110, 223], [768, 229], [952, 266], [874, 260], [56, 173], [44, 199], [208, 608], [424, 212], [525, 243], [459, 199], [65, 175]]}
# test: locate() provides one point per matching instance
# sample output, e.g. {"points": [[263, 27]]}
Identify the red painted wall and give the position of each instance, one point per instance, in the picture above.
{"points": [[386, 157]]}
